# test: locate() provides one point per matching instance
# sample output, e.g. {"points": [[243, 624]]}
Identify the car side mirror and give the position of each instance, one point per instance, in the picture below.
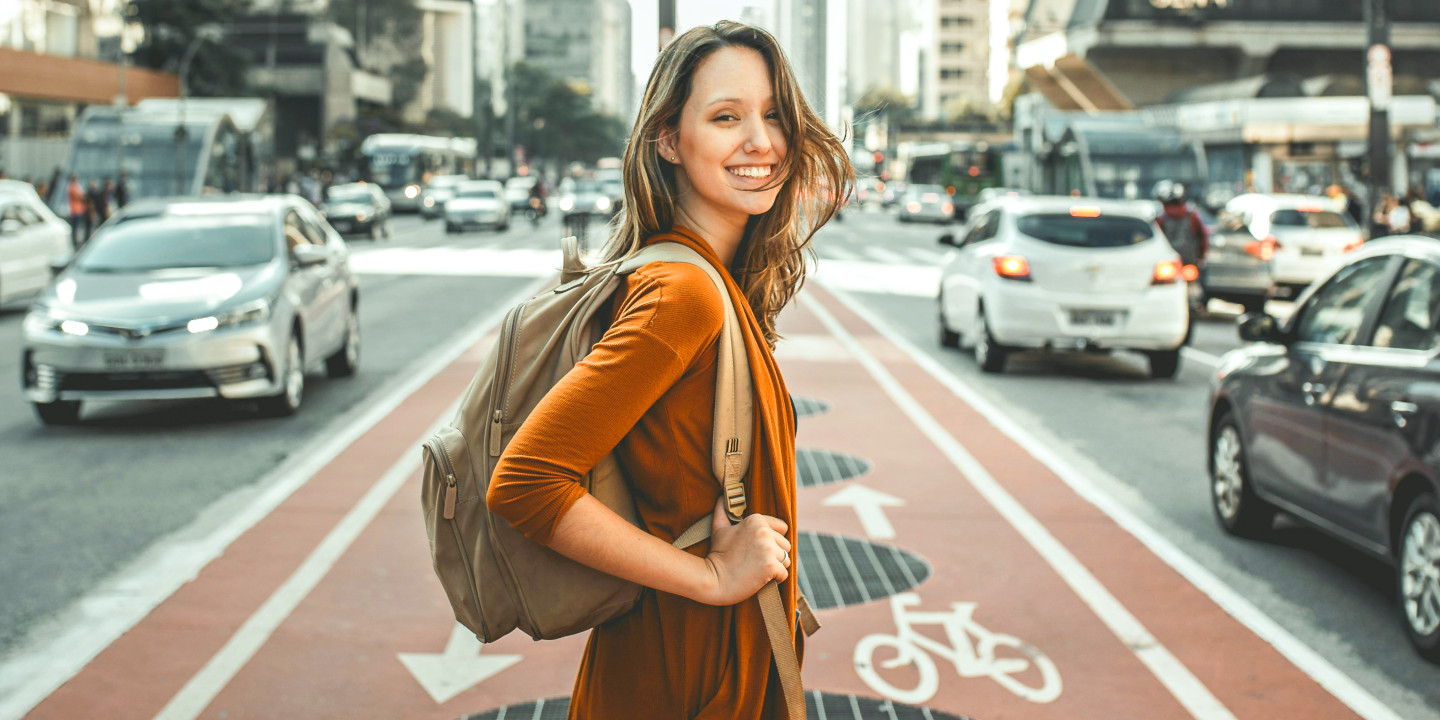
{"points": [[309, 255], [58, 263], [10, 227], [1259, 327], [948, 239]]}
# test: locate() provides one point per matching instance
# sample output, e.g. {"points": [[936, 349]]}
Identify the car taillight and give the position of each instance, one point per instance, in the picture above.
{"points": [[1166, 272], [947, 208], [1190, 273], [1355, 244], [1012, 267], [913, 207], [1263, 249]]}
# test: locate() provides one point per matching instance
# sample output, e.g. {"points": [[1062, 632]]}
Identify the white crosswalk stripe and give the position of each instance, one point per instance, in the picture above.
{"points": [[886, 256], [838, 253], [456, 260], [926, 257]]}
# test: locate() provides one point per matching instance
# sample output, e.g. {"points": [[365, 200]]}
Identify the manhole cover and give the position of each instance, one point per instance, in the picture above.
{"points": [[836, 571], [830, 706], [821, 467], [548, 709], [805, 406]]}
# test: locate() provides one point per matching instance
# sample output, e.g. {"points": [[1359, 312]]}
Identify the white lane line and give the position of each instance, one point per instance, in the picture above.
{"points": [[926, 257], [89, 625], [1192, 694], [1201, 356], [886, 256], [1329, 677], [838, 253], [223, 666]]}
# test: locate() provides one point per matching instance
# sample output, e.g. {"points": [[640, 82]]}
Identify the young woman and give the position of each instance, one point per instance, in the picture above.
{"points": [[728, 159]]}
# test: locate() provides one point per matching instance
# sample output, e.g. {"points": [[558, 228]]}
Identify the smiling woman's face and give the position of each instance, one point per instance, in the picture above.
{"points": [[729, 140]]}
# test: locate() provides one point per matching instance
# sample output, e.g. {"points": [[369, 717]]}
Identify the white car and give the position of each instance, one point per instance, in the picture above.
{"points": [[1058, 273], [32, 241], [1310, 234], [478, 203]]}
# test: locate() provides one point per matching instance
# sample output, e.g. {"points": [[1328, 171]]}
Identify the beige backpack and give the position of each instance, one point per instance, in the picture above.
{"points": [[496, 578]]}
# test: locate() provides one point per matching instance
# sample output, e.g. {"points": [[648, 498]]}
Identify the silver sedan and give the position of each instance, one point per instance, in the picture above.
{"points": [[193, 298]]}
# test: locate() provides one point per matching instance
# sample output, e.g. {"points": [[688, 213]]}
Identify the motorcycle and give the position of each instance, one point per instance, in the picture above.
{"points": [[537, 210]]}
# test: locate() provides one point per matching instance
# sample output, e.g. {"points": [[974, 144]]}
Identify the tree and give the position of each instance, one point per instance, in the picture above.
{"points": [[557, 120], [218, 70]]}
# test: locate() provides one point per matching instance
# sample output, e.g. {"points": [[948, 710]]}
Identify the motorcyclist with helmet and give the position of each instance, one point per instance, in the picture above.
{"points": [[1186, 232]]}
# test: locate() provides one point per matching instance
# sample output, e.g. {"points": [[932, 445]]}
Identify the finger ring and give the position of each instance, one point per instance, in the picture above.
{"points": [[786, 561]]}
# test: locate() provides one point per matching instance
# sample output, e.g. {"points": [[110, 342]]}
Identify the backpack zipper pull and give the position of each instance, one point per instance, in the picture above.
{"points": [[495, 435], [450, 493]]}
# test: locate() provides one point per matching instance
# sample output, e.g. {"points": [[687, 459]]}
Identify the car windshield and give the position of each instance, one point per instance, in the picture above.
{"points": [[588, 186], [1089, 232], [167, 241], [488, 193], [918, 190], [1310, 219], [349, 193]]}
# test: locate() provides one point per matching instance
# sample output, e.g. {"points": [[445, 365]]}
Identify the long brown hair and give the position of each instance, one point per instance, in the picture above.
{"points": [[814, 177]]}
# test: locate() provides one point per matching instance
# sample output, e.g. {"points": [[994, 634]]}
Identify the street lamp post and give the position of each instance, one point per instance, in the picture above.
{"points": [[1378, 86]]}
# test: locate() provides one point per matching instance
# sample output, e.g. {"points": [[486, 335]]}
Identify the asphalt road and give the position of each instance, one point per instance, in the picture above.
{"points": [[1145, 441], [79, 504]]}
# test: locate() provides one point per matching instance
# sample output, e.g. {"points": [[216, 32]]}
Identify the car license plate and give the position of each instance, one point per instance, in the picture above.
{"points": [[1098, 318], [1312, 252], [134, 359], [341, 226]]}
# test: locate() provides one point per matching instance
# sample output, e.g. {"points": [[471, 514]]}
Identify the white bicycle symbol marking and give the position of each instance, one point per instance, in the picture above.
{"points": [[978, 659]]}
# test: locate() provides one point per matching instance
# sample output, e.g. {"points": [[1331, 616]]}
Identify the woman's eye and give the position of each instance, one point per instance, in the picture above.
{"points": [[725, 117]]}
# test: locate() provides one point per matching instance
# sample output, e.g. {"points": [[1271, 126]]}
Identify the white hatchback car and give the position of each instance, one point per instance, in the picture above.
{"points": [[1310, 234], [32, 241], [1060, 273]]}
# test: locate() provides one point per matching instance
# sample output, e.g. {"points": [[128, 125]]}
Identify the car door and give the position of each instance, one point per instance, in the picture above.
{"points": [[1384, 419], [24, 256], [330, 296], [303, 285], [962, 281], [1288, 407]]}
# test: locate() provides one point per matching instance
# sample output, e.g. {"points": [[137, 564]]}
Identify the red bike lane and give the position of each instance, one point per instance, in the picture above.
{"points": [[955, 574]]}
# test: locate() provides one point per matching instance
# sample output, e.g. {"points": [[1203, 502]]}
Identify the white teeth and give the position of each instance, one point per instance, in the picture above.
{"points": [[751, 172]]}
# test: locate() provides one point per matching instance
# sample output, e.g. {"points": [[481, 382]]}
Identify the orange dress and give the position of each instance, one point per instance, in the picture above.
{"points": [[647, 390]]}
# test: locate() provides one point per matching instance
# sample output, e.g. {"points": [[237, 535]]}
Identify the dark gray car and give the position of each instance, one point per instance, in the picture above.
{"points": [[1334, 418], [234, 297]]}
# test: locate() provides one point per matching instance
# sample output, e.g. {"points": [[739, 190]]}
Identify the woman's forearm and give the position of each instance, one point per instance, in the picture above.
{"points": [[595, 535]]}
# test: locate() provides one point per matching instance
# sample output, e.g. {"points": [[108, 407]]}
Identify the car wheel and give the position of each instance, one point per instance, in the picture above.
{"points": [[347, 359], [948, 338], [1240, 511], [989, 355], [292, 390], [60, 412], [1417, 572], [449, 229], [389, 229], [1164, 363]]}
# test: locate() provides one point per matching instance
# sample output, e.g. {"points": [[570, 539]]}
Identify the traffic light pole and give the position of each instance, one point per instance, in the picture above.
{"points": [[1378, 87]]}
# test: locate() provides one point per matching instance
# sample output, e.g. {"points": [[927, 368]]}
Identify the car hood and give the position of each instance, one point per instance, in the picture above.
{"points": [[472, 204], [159, 296]]}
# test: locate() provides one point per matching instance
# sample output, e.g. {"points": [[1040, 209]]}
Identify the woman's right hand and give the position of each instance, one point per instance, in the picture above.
{"points": [[745, 556]]}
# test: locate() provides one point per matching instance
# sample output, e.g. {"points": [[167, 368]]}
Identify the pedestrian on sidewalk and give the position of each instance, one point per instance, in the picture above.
{"points": [[79, 212], [727, 158]]}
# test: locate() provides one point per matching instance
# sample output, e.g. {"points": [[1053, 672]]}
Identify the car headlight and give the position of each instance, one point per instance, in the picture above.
{"points": [[40, 320], [411, 191], [429, 202], [567, 204], [251, 312], [602, 204]]}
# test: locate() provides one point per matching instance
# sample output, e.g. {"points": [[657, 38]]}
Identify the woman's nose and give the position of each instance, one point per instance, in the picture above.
{"points": [[757, 137]]}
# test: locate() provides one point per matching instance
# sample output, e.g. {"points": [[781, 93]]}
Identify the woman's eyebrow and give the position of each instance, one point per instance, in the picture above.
{"points": [[738, 101]]}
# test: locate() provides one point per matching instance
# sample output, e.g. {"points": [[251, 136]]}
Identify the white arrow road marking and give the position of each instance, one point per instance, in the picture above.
{"points": [[458, 669], [870, 506]]}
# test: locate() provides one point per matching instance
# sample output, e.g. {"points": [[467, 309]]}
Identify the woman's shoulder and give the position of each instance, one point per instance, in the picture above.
{"points": [[676, 300]]}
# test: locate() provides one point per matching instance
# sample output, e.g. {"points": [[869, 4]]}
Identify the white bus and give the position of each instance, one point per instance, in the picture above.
{"points": [[402, 164]]}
